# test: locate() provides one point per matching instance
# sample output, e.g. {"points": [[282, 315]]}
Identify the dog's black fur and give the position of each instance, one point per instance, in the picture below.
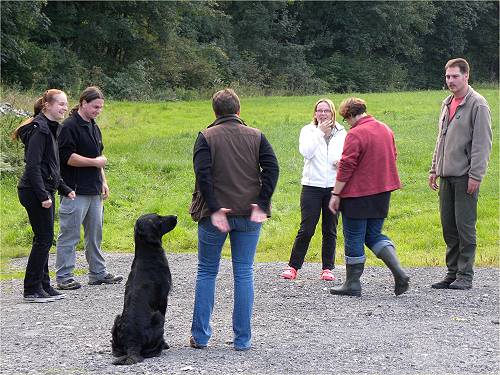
{"points": [[138, 331]]}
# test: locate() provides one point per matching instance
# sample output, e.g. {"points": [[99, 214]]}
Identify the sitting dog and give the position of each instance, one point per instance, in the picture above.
{"points": [[138, 331]]}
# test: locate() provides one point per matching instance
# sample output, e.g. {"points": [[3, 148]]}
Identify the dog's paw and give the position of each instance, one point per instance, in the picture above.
{"points": [[127, 360], [165, 346]]}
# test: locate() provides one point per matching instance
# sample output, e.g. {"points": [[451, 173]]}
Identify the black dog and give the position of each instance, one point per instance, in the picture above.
{"points": [[138, 331]]}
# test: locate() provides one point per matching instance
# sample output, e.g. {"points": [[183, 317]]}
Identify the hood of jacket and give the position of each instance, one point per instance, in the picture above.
{"points": [[40, 122]]}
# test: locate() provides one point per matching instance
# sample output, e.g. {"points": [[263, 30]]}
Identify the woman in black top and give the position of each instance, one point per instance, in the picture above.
{"points": [[40, 180]]}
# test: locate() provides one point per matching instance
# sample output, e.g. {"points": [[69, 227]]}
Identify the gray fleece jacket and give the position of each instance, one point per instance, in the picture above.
{"points": [[463, 144]]}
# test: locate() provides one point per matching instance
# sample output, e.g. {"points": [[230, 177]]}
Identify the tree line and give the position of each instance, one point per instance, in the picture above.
{"points": [[141, 50]]}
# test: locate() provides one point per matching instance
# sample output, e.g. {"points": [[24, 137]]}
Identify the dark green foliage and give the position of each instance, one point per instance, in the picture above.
{"points": [[144, 50], [11, 152]]}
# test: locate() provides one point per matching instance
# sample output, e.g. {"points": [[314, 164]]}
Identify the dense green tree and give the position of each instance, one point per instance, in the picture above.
{"points": [[19, 20], [270, 53], [154, 49]]}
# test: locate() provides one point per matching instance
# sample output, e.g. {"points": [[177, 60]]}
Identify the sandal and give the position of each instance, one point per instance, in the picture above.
{"points": [[327, 275], [290, 273]]}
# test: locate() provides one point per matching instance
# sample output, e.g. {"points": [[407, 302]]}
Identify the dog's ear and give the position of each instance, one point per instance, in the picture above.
{"points": [[147, 231]]}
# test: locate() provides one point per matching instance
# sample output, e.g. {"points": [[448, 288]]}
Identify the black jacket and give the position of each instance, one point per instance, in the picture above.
{"points": [[83, 138], [41, 156]]}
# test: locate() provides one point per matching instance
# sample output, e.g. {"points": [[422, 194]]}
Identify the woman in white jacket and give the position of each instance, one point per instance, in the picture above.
{"points": [[321, 143]]}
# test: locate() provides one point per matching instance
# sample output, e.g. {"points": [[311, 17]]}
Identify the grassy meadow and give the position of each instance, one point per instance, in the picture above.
{"points": [[149, 150]]}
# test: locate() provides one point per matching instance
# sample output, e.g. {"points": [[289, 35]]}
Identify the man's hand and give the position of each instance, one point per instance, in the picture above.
{"points": [[47, 203], [257, 215], [219, 220], [100, 161], [433, 181], [472, 186], [71, 195], [334, 204], [105, 191]]}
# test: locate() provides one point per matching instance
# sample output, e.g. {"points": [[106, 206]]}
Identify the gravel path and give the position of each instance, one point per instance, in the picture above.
{"points": [[299, 328]]}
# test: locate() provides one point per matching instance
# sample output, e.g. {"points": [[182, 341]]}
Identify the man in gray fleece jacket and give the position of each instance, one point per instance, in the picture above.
{"points": [[460, 160]]}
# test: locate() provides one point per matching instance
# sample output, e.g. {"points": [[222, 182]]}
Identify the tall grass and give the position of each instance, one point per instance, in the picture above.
{"points": [[149, 149]]}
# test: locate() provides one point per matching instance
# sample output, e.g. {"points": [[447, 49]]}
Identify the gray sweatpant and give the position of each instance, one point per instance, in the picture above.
{"points": [[86, 210]]}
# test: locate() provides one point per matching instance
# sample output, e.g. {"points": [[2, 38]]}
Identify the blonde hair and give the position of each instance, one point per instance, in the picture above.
{"points": [[332, 108], [48, 97]]}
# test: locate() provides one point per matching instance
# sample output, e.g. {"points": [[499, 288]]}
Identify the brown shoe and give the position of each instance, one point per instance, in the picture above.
{"points": [[193, 344]]}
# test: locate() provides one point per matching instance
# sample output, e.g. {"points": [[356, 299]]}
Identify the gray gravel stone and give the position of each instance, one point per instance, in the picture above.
{"points": [[298, 327]]}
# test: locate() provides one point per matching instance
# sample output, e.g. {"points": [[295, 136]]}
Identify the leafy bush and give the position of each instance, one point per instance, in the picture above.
{"points": [[347, 74], [11, 152], [133, 83]]}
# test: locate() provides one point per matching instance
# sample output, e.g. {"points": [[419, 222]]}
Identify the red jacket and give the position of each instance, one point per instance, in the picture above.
{"points": [[368, 163]]}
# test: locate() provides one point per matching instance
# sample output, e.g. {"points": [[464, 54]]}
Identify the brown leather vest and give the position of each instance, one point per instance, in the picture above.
{"points": [[234, 149]]}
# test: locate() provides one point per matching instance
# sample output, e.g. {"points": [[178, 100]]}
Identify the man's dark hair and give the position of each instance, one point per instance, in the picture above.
{"points": [[89, 94], [225, 102], [462, 64]]}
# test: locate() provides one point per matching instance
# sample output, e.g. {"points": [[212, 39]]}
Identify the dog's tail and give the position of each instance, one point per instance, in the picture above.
{"points": [[128, 359]]}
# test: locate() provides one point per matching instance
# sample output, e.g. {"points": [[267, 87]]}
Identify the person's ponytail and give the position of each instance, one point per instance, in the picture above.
{"points": [[74, 110], [37, 108]]}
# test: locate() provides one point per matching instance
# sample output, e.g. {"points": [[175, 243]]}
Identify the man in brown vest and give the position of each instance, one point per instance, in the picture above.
{"points": [[236, 172]]}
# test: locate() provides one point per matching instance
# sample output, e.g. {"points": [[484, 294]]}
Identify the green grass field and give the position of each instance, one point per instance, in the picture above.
{"points": [[149, 150]]}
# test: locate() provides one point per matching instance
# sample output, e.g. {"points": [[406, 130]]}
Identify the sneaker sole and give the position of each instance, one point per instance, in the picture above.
{"points": [[460, 288], [39, 300], [440, 287], [60, 296], [69, 287], [100, 282]]}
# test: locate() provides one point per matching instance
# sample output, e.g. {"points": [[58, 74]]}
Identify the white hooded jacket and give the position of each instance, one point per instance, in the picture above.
{"points": [[319, 157]]}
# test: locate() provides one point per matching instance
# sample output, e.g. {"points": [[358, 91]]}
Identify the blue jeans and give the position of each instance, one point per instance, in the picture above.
{"points": [[361, 232], [244, 236]]}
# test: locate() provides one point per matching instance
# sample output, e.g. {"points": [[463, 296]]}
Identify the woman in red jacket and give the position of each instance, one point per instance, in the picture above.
{"points": [[366, 175]]}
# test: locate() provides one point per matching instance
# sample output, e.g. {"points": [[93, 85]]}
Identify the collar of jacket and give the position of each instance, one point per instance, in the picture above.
{"points": [[449, 98], [362, 120], [81, 121], [338, 127], [42, 122], [221, 119]]}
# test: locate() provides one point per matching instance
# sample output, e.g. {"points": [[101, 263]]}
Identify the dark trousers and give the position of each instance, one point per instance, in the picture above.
{"points": [[458, 219], [313, 202], [42, 224]]}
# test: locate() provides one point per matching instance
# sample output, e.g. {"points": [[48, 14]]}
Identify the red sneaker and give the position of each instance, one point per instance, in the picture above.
{"points": [[327, 275], [290, 273]]}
